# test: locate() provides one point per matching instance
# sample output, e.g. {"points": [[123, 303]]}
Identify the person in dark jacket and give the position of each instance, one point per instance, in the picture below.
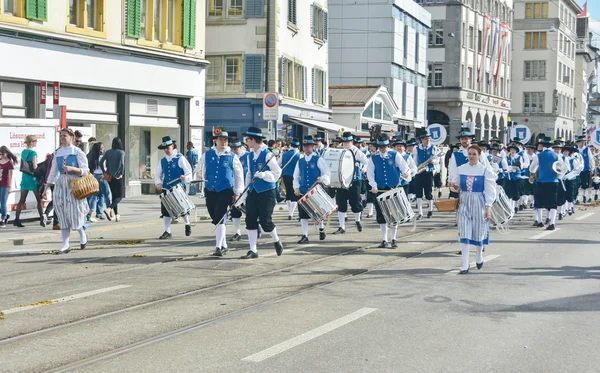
{"points": [[113, 164]]}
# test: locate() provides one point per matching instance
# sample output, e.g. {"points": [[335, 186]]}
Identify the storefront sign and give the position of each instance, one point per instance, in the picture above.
{"points": [[270, 106], [43, 91], [56, 93]]}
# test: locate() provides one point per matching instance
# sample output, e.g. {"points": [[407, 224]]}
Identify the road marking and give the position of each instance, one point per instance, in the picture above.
{"points": [[303, 338], [486, 259], [543, 234], [585, 216], [65, 299], [415, 243]]}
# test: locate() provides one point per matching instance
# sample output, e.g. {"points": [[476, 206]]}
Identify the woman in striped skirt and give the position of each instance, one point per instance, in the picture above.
{"points": [[477, 185], [69, 162]]}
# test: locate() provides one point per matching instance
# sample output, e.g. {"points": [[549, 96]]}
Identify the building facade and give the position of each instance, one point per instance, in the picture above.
{"points": [[134, 69], [258, 46], [375, 43], [544, 67], [586, 57], [469, 65]]}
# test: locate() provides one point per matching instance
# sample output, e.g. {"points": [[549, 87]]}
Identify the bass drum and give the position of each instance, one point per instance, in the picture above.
{"points": [[341, 165]]}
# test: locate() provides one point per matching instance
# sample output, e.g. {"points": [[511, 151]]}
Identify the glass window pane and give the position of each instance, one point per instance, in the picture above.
{"points": [[171, 22], [235, 8], [10, 7], [144, 11], [91, 14], [157, 14], [73, 12], [368, 113], [377, 110]]}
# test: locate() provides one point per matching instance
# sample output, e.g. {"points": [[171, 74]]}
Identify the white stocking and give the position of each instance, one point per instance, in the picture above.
{"points": [[294, 205], [342, 219], [304, 223], [167, 221], [357, 216], [66, 233], [431, 205], [538, 215], [394, 232], [370, 206], [224, 240], [252, 238], [321, 225], [552, 216], [384, 231], [220, 234], [237, 225], [479, 254], [420, 205], [186, 219], [464, 247], [274, 235], [82, 236]]}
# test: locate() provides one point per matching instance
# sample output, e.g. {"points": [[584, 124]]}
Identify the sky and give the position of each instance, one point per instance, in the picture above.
{"points": [[593, 10]]}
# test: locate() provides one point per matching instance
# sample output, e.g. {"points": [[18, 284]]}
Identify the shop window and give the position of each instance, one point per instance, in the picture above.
{"points": [[86, 17], [20, 11], [144, 154]]}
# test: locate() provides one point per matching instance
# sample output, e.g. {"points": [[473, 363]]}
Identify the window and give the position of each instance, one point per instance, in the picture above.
{"points": [[318, 22], [378, 106], [417, 37], [225, 8], [470, 77], [535, 40], [533, 102], [405, 41], [471, 38], [368, 112], [535, 70], [434, 78], [436, 34], [404, 98], [416, 102], [293, 79], [224, 74], [292, 12], [501, 87], [20, 11], [319, 87], [86, 17], [536, 10], [479, 40]]}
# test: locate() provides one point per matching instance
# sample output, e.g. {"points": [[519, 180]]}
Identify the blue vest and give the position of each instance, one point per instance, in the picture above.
{"points": [[171, 171], [309, 172], [478, 185], [244, 161], [387, 174], [460, 158], [292, 154], [586, 158], [254, 166], [219, 170], [357, 173], [423, 155], [514, 174], [69, 160], [405, 156], [545, 172]]}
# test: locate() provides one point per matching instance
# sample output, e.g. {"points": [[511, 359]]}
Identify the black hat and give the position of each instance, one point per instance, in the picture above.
{"points": [[347, 136], [484, 144], [465, 132], [557, 143], [411, 142], [495, 147], [382, 140], [235, 142], [545, 141], [219, 132], [399, 141], [517, 140], [581, 138], [424, 135], [318, 138], [295, 142], [530, 146], [512, 146], [166, 142], [495, 138], [337, 139], [358, 140], [254, 132], [308, 140]]}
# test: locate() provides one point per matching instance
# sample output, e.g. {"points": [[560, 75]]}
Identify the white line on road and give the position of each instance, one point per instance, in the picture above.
{"points": [[303, 338], [486, 259], [543, 234], [585, 216], [65, 299]]}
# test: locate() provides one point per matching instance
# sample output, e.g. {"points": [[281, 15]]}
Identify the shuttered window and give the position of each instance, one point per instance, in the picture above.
{"points": [[36, 9], [134, 17], [319, 86], [292, 12], [253, 72], [189, 23], [255, 9], [318, 23]]}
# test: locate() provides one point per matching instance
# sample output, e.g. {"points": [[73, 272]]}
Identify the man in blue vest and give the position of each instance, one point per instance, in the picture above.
{"points": [[384, 172], [585, 178], [192, 158], [319, 146], [410, 149], [236, 215], [287, 162], [460, 156], [546, 184], [310, 169], [400, 147], [262, 176], [171, 171], [352, 194], [575, 166], [425, 153]]}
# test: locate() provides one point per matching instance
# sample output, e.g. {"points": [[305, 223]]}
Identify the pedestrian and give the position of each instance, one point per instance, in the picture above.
{"points": [[69, 162], [7, 164], [287, 162], [477, 185], [28, 181], [113, 165], [192, 158], [102, 198], [79, 139]]}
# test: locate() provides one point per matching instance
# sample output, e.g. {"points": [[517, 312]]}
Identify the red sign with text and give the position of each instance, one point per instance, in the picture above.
{"points": [[43, 91], [55, 93]]}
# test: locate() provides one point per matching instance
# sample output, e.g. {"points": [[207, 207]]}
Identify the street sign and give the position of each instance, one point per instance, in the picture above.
{"points": [[437, 133], [270, 106], [522, 132]]}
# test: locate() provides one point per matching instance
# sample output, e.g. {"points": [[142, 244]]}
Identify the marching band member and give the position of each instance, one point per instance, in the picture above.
{"points": [[384, 171], [288, 163], [372, 150], [496, 141], [172, 170], [224, 182], [399, 145], [585, 178], [527, 186], [319, 146], [352, 194], [236, 215], [547, 184], [425, 154], [561, 198], [310, 169], [477, 184], [576, 166], [499, 166], [513, 184], [261, 193], [460, 156], [410, 148]]}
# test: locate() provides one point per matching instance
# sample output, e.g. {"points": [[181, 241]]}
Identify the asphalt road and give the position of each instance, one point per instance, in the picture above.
{"points": [[337, 306]]}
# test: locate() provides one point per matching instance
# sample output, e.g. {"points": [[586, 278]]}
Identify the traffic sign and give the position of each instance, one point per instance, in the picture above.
{"points": [[270, 106]]}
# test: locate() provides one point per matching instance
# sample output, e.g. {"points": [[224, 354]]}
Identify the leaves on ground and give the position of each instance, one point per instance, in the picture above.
{"points": [[139, 255], [37, 304]]}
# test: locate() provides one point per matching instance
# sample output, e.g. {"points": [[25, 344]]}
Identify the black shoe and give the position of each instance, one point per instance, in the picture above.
{"points": [[290, 217], [382, 245], [2, 224], [521, 208], [550, 227], [17, 223], [560, 216], [459, 253], [420, 217], [165, 236], [547, 221], [235, 238], [479, 265], [66, 251], [278, 247], [440, 194], [224, 250], [359, 226], [6, 219], [369, 216], [540, 225], [340, 231], [429, 214], [250, 255], [516, 210], [82, 246], [217, 252], [304, 239], [322, 234], [394, 244], [43, 222], [536, 224], [464, 271], [188, 230], [570, 212], [595, 197], [576, 201]]}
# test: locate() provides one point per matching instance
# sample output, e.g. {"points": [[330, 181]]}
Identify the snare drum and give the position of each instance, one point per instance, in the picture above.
{"points": [[317, 203], [341, 165], [501, 210], [395, 207], [177, 202]]}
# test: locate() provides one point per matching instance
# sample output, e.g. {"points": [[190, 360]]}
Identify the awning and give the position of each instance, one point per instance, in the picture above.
{"points": [[325, 126]]}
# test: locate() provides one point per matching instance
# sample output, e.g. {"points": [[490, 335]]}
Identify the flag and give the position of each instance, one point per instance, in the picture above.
{"points": [[584, 13], [488, 25], [502, 49], [494, 53]]}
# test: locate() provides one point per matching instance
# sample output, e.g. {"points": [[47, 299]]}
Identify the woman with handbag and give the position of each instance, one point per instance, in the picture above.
{"points": [[7, 165], [113, 167], [102, 198], [69, 163], [29, 161]]}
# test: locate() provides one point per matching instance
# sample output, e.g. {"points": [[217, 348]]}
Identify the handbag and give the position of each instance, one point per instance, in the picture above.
{"points": [[107, 176], [26, 167]]}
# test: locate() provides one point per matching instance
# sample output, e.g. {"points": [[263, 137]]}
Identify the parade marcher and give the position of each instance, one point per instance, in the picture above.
{"points": [[513, 184], [352, 194], [192, 157], [499, 165], [547, 184], [370, 197], [69, 161], [236, 215], [223, 183], [527, 186], [410, 149], [319, 146], [7, 164], [561, 196], [585, 178], [570, 179], [477, 185], [173, 169], [384, 171], [400, 147], [309, 170], [425, 154], [261, 198], [287, 162], [460, 156]]}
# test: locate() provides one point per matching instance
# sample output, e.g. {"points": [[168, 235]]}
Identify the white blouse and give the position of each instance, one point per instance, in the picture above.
{"points": [[489, 186], [65, 151]]}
